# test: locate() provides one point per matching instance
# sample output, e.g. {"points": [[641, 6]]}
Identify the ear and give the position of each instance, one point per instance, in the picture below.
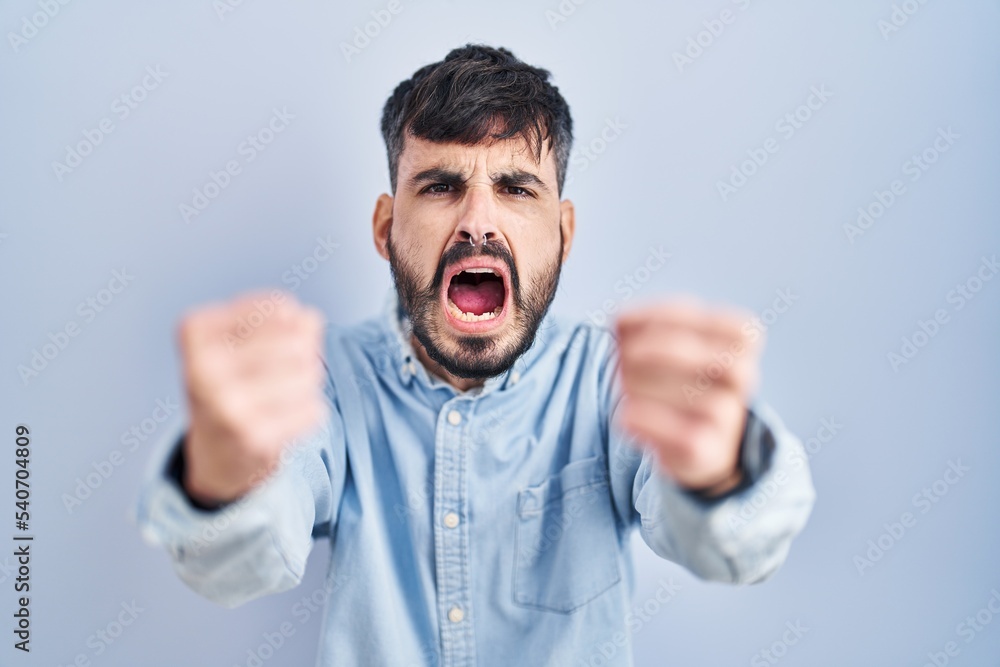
{"points": [[567, 221], [381, 222]]}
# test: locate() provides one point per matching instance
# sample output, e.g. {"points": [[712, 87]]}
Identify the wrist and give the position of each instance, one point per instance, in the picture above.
{"points": [[193, 489], [198, 497], [722, 487]]}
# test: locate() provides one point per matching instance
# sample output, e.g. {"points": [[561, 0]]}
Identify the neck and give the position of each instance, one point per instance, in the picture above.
{"points": [[460, 383]]}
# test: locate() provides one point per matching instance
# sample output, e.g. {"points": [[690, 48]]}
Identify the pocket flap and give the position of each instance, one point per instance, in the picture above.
{"points": [[580, 475]]}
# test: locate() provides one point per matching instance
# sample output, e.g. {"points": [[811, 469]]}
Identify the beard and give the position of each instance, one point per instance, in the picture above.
{"points": [[474, 356]]}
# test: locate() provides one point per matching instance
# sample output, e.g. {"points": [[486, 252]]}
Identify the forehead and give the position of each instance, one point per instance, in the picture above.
{"points": [[514, 153]]}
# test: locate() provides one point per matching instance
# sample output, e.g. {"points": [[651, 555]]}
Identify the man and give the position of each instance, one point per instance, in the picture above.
{"points": [[477, 465]]}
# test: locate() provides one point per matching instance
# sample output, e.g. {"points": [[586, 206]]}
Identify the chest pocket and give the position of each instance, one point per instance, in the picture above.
{"points": [[566, 545]]}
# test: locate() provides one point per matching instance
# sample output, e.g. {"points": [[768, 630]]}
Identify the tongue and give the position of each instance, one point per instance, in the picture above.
{"points": [[485, 297]]}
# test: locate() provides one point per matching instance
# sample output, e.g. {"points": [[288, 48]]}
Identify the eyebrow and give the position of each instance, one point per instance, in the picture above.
{"points": [[513, 177], [518, 177]]}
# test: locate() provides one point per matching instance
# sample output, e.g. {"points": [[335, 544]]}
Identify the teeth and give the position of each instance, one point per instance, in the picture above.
{"points": [[457, 313], [482, 269]]}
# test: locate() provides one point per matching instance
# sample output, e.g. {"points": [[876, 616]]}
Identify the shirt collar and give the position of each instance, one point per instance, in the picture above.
{"points": [[408, 366]]}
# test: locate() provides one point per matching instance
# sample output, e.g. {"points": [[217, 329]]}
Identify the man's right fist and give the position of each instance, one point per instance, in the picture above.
{"points": [[254, 376]]}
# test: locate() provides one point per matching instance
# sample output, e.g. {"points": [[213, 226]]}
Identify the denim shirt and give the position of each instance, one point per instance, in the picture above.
{"points": [[485, 527]]}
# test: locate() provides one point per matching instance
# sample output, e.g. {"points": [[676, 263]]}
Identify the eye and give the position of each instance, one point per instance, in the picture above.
{"points": [[437, 189], [519, 192]]}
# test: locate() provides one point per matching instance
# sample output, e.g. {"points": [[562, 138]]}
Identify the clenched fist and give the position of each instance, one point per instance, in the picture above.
{"points": [[687, 374], [254, 377]]}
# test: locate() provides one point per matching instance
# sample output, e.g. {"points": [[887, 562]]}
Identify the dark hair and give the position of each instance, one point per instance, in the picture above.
{"points": [[478, 92]]}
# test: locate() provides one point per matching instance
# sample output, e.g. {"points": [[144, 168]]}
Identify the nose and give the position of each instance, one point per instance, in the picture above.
{"points": [[477, 219]]}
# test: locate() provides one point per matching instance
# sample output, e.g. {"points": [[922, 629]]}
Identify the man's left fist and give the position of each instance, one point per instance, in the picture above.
{"points": [[688, 372]]}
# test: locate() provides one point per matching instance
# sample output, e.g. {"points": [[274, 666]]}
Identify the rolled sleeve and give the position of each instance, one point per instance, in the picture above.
{"points": [[251, 547], [745, 535]]}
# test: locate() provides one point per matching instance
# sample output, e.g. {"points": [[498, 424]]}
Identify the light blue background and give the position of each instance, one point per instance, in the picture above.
{"points": [[655, 184]]}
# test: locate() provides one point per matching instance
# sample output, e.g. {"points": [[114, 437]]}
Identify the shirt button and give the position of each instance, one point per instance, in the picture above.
{"points": [[450, 519], [514, 377], [454, 417], [456, 615]]}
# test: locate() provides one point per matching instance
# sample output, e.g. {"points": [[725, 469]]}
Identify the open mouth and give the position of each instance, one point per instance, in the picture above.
{"points": [[477, 294]]}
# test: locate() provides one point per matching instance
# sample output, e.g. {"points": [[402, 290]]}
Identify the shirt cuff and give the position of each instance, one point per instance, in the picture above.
{"points": [[742, 536], [254, 545]]}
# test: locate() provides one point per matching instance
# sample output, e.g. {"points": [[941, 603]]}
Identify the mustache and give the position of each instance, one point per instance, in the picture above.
{"points": [[461, 251]]}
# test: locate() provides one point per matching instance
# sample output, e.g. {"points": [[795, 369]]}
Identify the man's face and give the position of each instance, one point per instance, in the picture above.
{"points": [[474, 306]]}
